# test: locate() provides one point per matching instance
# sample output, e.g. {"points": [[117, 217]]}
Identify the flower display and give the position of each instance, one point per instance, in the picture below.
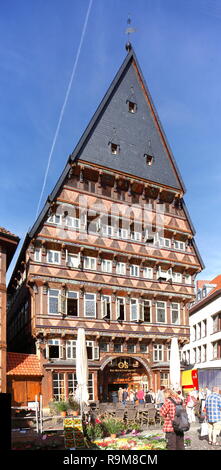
{"points": [[132, 443]]}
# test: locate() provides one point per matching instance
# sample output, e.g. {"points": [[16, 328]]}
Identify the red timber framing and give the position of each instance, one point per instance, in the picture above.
{"points": [[112, 251]]}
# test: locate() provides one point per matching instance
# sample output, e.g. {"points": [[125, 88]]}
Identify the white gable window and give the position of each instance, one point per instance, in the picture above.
{"points": [[175, 313], [158, 352], [90, 305], [134, 270], [71, 349], [121, 268], [37, 255], [53, 301], [90, 263], [53, 257], [177, 277], [54, 219], [179, 245], [106, 266], [164, 242], [148, 273], [92, 351]]}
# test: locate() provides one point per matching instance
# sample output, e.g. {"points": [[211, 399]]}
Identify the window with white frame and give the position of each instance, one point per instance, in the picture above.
{"points": [[90, 305], [54, 219], [73, 222], [134, 309], [104, 347], [165, 242], [106, 265], [158, 352], [90, 263], [122, 233], [121, 309], [178, 245], [188, 279], [107, 230], [121, 268], [71, 349], [134, 270], [58, 386], [106, 307], [147, 311], [161, 312], [148, 273], [72, 385], [136, 236], [73, 260], [118, 347], [131, 348], [176, 277], [72, 307], [143, 348], [53, 257], [175, 313], [164, 379], [53, 301], [204, 353], [92, 350], [53, 349], [37, 255]]}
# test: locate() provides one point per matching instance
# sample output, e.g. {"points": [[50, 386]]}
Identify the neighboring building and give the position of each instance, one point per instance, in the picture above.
{"points": [[24, 375], [204, 350], [8, 245], [112, 251]]}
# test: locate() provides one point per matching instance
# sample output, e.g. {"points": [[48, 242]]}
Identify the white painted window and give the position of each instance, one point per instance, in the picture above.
{"points": [[54, 219], [73, 222], [71, 349], [73, 260], [148, 273], [179, 245], [106, 266], [53, 257], [177, 277], [106, 307], [164, 242], [121, 310], [134, 309], [92, 351], [53, 349], [134, 270], [161, 312], [58, 386], [175, 313], [121, 268], [53, 301], [158, 352], [90, 263], [136, 236], [107, 230], [131, 348], [37, 255], [188, 279], [122, 233], [90, 305], [72, 304]]}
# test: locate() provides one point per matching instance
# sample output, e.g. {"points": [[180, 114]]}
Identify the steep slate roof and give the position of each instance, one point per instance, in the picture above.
{"points": [[23, 364], [131, 131]]}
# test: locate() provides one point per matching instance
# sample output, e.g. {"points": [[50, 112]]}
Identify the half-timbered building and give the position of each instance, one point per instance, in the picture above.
{"points": [[112, 251]]}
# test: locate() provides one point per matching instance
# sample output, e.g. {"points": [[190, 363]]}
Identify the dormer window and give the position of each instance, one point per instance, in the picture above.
{"points": [[115, 149], [132, 107], [149, 159]]}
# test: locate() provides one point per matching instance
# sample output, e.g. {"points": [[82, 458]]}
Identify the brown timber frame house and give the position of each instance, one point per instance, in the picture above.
{"points": [[112, 251]]}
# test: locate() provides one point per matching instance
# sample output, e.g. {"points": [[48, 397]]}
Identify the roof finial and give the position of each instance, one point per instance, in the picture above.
{"points": [[129, 31]]}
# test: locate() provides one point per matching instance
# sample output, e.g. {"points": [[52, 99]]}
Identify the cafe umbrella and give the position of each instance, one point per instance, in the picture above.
{"points": [[81, 393], [174, 364]]}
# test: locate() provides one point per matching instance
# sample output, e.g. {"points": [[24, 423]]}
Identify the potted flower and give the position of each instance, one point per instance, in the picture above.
{"points": [[74, 406], [62, 407], [113, 426]]}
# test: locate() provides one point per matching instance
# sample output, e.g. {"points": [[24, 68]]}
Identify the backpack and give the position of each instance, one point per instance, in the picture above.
{"points": [[180, 422]]}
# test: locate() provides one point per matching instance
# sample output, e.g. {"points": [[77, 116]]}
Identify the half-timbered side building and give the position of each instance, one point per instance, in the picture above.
{"points": [[112, 251]]}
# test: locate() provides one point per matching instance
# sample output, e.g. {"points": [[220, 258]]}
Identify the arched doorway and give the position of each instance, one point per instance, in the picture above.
{"points": [[123, 371]]}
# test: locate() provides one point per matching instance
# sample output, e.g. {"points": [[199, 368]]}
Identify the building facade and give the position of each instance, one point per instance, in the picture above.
{"points": [[112, 251], [8, 245], [204, 350]]}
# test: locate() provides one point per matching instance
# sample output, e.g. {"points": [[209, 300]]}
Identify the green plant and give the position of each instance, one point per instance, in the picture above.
{"points": [[60, 405], [73, 404], [94, 431], [113, 425]]}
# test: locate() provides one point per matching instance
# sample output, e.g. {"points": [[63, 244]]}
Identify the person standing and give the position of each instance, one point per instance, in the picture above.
{"points": [[140, 396], [213, 413], [160, 397], [190, 403], [175, 441], [124, 396], [120, 394], [132, 396]]}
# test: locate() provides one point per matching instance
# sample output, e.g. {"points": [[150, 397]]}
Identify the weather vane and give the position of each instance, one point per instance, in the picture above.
{"points": [[129, 31]]}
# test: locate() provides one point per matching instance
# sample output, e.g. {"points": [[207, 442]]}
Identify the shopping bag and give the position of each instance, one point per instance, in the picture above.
{"points": [[204, 429]]}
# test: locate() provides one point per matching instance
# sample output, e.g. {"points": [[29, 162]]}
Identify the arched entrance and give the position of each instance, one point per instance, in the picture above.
{"points": [[123, 371]]}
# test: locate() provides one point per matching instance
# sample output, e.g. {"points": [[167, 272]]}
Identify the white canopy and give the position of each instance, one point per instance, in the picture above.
{"points": [[81, 393], [174, 365]]}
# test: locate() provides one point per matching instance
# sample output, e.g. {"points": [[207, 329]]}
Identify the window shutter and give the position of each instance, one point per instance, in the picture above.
{"points": [[118, 309], [62, 304], [169, 274], [141, 311], [103, 308]]}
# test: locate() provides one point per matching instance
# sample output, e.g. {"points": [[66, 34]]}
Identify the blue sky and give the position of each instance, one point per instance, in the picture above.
{"points": [[177, 43]]}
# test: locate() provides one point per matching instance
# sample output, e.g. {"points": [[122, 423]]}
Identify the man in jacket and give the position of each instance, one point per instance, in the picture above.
{"points": [[213, 413]]}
